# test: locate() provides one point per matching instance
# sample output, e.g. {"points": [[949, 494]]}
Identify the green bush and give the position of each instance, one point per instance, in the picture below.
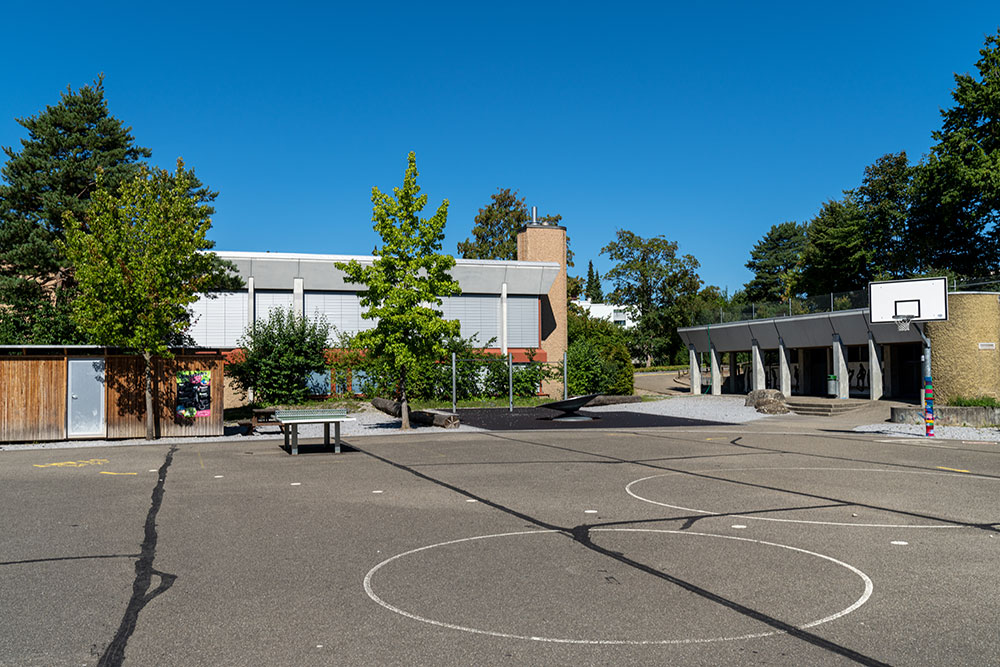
{"points": [[598, 357], [278, 355], [974, 402]]}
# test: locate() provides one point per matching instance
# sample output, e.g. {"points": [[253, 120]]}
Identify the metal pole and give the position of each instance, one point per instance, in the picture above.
{"points": [[454, 393], [565, 376], [831, 302], [510, 381]]}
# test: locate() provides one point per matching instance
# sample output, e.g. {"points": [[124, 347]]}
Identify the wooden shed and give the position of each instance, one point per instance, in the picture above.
{"points": [[84, 392]]}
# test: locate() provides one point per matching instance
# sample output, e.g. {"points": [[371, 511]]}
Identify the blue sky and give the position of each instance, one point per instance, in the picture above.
{"points": [[703, 122]]}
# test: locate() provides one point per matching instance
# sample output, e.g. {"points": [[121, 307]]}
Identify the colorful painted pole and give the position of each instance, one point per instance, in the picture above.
{"points": [[929, 406]]}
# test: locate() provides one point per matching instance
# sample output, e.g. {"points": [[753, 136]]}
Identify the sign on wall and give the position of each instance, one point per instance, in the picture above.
{"points": [[194, 394]]}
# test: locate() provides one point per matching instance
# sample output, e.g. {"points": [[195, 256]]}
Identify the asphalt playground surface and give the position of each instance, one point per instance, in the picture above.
{"points": [[672, 544]]}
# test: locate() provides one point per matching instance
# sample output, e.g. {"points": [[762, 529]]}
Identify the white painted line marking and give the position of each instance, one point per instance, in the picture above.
{"points": [[471, 500], [319, 646], [296, 484], [869, 588], [590, 511], [379, 491], [738, 526], [899, 543], [218, 477], [628, 490], [153, 470]]}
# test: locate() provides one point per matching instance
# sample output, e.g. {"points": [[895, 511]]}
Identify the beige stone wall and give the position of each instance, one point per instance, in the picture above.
{"points": [[958, 366], [547, 243]]}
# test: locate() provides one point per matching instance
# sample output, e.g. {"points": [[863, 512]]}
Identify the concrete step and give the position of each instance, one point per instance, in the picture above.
{"points": [[818, 408]]}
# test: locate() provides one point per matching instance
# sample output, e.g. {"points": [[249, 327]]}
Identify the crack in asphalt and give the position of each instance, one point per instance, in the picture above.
{"points": [[114, 654]]}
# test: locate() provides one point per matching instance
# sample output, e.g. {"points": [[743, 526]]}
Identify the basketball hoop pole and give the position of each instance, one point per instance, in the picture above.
{"points": [[926, 396]]}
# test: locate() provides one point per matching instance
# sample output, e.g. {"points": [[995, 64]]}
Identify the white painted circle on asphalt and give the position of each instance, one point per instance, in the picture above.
{"points": [[369, 589], [629, 490]]}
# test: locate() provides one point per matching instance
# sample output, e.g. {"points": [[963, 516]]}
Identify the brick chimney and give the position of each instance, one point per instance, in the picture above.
{"points": [[540, 242]]}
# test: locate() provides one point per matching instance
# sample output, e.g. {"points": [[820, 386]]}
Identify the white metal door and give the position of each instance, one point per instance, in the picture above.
{"points": [[85, 402]]}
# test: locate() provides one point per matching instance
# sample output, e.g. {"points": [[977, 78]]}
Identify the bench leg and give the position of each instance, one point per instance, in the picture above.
{"points": [[326, 435], [295, 439], [336, 437]]}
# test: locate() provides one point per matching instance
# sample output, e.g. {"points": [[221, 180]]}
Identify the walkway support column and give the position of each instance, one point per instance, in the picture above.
{"points": [[840, 367], [757, 366], [734, 370], [715, 373], [874, 369], [784, 369], [695, 370]]}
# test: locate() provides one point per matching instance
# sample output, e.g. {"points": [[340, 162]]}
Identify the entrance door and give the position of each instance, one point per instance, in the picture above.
{"points": [[85, 402]]}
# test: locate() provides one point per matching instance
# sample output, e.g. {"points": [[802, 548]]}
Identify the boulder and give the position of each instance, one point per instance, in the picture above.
{"points": [[770, 406], [757, 395]]}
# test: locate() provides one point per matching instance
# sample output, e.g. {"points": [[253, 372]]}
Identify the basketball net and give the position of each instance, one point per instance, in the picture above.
{"points": [[903, 322]]}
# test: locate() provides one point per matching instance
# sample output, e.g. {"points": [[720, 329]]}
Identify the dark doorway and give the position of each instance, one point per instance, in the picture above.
{"points": [[906, 365], [815, 367]]}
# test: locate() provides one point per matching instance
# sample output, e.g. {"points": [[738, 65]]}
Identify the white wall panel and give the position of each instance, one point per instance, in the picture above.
{"points": [[522, 321], [342, 311], [265, 302], [479, 315], [219, 321]]}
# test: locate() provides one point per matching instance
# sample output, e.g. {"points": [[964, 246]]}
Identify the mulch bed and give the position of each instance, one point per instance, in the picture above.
{"points": [[526, 419]]}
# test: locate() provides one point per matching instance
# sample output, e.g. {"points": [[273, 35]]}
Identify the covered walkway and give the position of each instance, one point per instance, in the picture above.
{"points": [[797, 355]]}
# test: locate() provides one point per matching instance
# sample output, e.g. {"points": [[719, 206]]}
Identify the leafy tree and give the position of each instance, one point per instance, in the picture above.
{"points": [[278, 354], [593, 290], [598, 358], [52, 174], [883, 198], [835, 256], [139, 259], [574, 287], [406, 280], [957, 189], [653, 281], [774, 261], [494, 236]]}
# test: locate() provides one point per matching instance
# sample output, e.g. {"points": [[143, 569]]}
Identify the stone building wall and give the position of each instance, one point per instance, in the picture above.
{"points": [[963, 363]]}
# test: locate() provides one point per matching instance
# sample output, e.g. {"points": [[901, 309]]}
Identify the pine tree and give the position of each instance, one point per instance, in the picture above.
{"points": [[774, 261], [54, 173], [593, 290]]}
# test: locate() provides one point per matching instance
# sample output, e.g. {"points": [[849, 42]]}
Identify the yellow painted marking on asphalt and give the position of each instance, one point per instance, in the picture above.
{"points": [[951, 469], [72, 464], [105, 472], [200, 461]]}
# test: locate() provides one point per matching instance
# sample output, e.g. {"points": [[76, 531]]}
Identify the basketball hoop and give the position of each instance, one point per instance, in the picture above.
{"points": [[902, 322]]}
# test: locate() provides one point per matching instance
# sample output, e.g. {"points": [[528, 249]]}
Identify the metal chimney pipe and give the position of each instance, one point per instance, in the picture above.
{"points": [[534, 215]]}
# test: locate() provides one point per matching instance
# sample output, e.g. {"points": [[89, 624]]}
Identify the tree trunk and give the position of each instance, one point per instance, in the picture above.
{"points": [[150, 416], [404, 404]]}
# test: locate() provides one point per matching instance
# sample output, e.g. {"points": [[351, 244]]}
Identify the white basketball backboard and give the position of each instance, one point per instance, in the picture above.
{"points": [[921, 299]]}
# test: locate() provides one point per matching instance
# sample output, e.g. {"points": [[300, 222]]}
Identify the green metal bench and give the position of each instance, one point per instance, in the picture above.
{"points": [[292, 419]]}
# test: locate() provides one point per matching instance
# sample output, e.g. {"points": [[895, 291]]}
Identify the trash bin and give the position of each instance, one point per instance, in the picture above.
{"points": [[831, 385]]}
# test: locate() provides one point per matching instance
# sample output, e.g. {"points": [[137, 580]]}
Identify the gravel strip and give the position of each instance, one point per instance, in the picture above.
{"points": [[728, 409], [942, 432]]}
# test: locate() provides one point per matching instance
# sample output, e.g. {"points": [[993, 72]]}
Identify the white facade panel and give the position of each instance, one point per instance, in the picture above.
{"points": [[265, 302], [479, 315], [342, 311], [522, 321], [219, 321]]}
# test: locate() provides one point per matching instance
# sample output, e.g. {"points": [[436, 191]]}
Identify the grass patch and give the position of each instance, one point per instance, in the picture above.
{"points": [[974, 402]]}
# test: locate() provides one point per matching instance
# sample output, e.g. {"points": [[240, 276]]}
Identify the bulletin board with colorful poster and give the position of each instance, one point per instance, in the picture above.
{"points": [[194, 394]]}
